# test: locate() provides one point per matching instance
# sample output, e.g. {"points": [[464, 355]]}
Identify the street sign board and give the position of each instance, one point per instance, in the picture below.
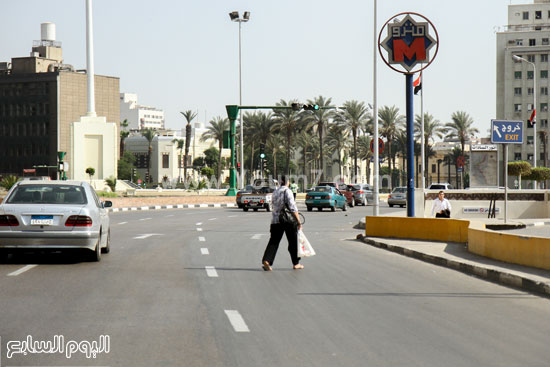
{"points": [[506, 132], [380, 145]]}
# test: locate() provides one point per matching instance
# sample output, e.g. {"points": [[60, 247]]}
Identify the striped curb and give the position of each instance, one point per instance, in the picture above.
{"points": [[179, 206], [493, 275]]}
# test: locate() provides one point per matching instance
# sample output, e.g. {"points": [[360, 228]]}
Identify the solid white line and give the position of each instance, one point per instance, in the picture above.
{"points": [[204, 251], [22, 270], [536, 224], [202, 239], [237, 321], [212, 219], [257, 236], [232, 216], [199, 229], [123, 222], [146, 218], [144, 236], [211, 271], [199, 224]]}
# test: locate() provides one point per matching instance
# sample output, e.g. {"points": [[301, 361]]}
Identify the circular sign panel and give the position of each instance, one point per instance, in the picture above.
{"points": [[408, 42]]}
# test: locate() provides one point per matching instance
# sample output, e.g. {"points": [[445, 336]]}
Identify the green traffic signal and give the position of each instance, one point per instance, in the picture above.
{"points": [[311, 107], [262, 155]]}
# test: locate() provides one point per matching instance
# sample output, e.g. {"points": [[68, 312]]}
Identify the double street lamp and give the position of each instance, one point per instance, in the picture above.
{"points": [[234, 15]]}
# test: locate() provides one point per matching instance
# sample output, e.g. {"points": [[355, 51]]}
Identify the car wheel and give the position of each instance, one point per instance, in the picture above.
{"points": [[345, 207], [333, 208], [245, 208], [319, 209], [391, 205], [309, 208], [268, 207], [95, 256], [351, 204], [107, 247], [364, 203], [402, 206]]}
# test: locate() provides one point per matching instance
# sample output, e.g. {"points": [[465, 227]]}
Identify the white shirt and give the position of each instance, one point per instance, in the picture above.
{"points": [[439, 205], [281, 196]]}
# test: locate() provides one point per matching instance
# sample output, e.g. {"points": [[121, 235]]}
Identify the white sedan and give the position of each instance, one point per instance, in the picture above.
{"points": [[55, 215]]}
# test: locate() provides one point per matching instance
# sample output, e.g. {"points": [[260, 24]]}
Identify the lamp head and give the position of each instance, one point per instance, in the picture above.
{"points": [[246, 16], [234, 15]]}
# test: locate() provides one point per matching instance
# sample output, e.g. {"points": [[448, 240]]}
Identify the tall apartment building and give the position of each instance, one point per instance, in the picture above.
{"points": [[527, 35], [40, 97], [139, 116]]}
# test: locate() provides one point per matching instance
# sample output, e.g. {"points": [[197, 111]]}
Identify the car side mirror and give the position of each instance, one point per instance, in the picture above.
{"points": [[107, 204]]}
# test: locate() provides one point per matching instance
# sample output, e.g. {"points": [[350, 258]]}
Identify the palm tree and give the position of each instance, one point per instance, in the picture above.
{"points": [[257, 128], [432, 128], [363, 151], [215, 131], [274, 144], [180, 144], [354, 117], [149, 134], [461, 129], [391, 123], [286, 122], [305, 141], [320, 119], [337, 140], [123, 135], [189, 116]]}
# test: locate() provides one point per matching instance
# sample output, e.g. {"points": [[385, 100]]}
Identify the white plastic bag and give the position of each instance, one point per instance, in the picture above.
{"points": [[304, 247]]}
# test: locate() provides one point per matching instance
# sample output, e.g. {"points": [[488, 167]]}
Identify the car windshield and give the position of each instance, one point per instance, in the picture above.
{"points": [[322, 189], [47, 194], [354, 187], [400, 190], [437, 186]]}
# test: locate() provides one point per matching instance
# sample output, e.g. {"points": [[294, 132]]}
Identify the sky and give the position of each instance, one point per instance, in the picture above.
{"points": [[183, 55]]}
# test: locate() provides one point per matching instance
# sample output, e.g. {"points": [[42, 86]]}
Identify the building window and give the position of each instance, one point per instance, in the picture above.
{"points": [[545, 41], [517, 156], [525, 15], [517, 91], [530, 91], [538, 14], [544, 58], [532, 42], [544, 107], [544, 74], [544, 123], [544, 91], [531, 58], [529, 107], [165, 161], [433, 168], [530, 140], [517, 107], [541, 156], [530, 74], [519, 42], [529, 157], [517, 75]]}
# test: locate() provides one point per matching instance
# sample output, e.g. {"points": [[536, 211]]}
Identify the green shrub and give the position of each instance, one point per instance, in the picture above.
{"points": [[8, 181], [105, 194], [111, 182]]}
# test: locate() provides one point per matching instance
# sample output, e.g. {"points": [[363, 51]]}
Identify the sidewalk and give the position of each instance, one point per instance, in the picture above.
{"points": [[456, 256]]}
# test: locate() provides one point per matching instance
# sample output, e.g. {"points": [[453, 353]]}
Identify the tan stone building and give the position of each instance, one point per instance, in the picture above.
{"points": [[40, 97]]}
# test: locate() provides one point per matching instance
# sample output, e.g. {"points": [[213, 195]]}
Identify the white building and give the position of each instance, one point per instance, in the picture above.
{"points": [[527, 35], [138, 116]]}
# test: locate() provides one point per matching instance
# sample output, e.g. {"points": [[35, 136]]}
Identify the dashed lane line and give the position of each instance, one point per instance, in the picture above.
{"points": [[22, 270], [237, 321], [204, 251], [211, 271]]}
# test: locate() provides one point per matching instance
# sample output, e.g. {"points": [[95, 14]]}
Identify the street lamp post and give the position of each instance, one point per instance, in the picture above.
{"points": [[236, 18], [517, 58]]}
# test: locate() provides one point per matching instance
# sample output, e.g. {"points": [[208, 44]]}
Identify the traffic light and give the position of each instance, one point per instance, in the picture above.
{"points": [[262, 155], [296, 106], [310, 107]]}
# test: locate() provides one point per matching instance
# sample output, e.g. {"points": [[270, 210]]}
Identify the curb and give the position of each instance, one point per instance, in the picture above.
{"points": [[496, 276], [179, 206]]}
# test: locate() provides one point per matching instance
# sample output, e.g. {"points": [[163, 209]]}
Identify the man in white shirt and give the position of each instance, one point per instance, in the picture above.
{"points": [[441, 206]]}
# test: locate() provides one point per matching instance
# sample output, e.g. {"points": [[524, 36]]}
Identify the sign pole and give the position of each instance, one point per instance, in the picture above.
{"points": [[410, 144], [232, 112], [505, 183]]}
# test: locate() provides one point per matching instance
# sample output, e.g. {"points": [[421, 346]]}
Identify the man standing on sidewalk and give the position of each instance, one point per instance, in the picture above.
{"points": [[294, 188], [441, 206]]}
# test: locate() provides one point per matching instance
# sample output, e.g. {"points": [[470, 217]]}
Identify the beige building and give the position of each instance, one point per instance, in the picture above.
{"points": [[40, 97]]}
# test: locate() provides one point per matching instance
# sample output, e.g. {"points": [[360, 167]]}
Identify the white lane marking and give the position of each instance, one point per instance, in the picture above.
{"points": [[202, 239], [123, 222], [144, 236], [199, 229], [171, 215], [199, 224], [211, 271], [257, 236], [536, 224], [22, 270], [212, 218], [237, 321], [204, 251], [146, 218]]}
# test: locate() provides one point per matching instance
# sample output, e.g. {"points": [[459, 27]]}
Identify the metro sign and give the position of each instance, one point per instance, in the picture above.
{"points": [[408, 43]]}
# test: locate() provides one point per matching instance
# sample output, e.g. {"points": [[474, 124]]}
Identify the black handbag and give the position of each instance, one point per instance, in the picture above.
{"points": [[286, 216]]}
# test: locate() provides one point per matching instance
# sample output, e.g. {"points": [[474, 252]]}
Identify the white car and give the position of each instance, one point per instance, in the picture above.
{"points": [[55, 215], [440, 186]]}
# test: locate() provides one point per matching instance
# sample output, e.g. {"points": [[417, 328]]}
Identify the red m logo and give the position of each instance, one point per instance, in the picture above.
{"points": [[401, 49]]}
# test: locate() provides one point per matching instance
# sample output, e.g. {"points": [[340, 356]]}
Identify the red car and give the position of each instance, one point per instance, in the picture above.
{"points": [[343, 189]]}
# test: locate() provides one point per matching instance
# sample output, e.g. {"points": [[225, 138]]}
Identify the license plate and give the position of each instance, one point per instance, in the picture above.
{"points": [[317, 197], [42, 220]]}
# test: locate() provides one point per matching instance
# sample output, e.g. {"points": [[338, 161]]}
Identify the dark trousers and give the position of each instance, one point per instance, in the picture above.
{"points": [[442, 215], [277, 231]]}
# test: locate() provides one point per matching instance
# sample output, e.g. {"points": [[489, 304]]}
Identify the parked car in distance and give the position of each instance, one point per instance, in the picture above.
{"points": [[55, 215], [325, 197], [343, 189], [440, 186], [398, 197], [362, 193], [247, 190]]}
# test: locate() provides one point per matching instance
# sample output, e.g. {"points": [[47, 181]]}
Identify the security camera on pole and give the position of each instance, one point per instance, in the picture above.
{"points": [[408, 43]]}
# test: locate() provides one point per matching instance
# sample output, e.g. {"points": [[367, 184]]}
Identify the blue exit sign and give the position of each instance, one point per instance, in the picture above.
{"points": [[506, 132]]}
